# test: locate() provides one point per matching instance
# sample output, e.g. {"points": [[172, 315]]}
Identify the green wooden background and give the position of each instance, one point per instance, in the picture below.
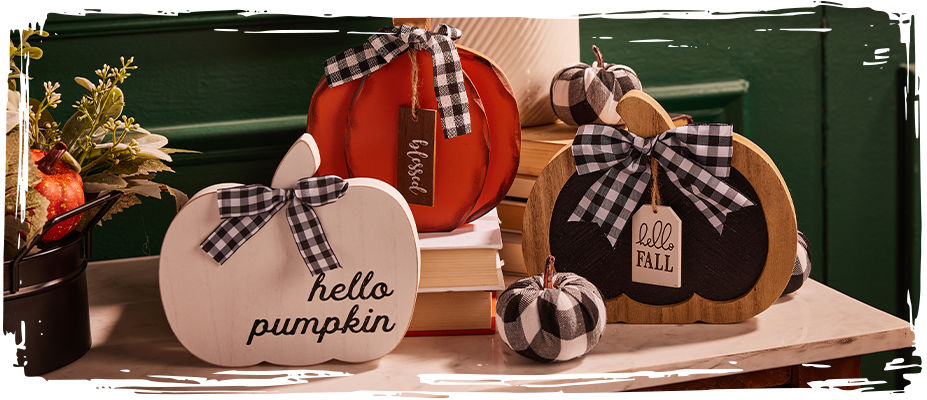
{"points": [[797, 85]]}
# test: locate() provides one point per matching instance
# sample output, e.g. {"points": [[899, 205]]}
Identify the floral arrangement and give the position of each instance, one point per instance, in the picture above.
{"points": [[108, 150]]}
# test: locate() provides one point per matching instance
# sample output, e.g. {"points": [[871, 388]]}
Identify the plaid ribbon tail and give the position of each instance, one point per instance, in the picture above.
{"points": [[611, 199], [711, 196], [450, 92], [310, 239], [306, 225], [611, 209], [233, 232]]}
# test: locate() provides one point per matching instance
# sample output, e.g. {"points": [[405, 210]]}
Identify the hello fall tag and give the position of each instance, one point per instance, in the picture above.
{"points": [[656, 247]]}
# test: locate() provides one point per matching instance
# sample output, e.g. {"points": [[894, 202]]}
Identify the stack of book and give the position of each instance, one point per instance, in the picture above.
{"points": [[539, 145], [460, 272]]}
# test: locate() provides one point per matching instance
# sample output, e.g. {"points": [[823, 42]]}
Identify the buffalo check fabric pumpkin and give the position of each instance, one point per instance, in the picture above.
{"points": [[556, 324], [583, 95], [802, 269]]}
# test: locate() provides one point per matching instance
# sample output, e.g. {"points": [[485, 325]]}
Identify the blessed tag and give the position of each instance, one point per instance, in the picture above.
{"points": [[656, 247], [415, 171]]}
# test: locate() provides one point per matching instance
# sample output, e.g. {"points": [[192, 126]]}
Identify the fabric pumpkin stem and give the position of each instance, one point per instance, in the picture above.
{"points": [[549, 273]]}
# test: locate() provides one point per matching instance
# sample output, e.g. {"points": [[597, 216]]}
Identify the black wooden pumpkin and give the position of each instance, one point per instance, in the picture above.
{"points": [[551, 317], [727, 275]]}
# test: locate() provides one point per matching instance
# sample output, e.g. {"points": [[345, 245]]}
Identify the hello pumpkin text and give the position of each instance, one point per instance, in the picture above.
{"points": [[360, 288]]}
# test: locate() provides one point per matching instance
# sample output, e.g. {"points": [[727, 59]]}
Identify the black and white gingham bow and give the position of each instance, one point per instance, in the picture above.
{"points": [[245, 209], [695, 157], [383, 47]]}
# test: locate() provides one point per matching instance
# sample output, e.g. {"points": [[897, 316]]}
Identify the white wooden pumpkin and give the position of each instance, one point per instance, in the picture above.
{"points": [[218, 311]]}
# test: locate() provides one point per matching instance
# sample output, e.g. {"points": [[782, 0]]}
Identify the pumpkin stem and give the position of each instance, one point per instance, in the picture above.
{"points": [[47, 163], [598, 56], [549, 273]]}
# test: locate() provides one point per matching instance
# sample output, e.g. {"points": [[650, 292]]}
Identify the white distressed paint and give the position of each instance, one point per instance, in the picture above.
{"points": [[694, 15], [863, 384], [897, 364], [805, 29], [291, 31]]}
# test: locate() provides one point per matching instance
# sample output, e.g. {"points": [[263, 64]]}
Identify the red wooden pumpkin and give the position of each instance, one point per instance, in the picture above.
{"points": [[62, 186], [355, 126]]}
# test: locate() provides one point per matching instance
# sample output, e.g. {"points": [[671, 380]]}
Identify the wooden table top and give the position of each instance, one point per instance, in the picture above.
{"points": [[134, 348]]}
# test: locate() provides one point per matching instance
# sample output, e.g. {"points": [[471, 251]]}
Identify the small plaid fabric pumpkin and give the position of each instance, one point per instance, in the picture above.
{"points": [[583, 94], [556, 318], [802, 269]]}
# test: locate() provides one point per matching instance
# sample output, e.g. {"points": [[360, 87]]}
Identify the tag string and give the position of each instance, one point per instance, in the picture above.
{"points": [[654, 189], [414, 84]]}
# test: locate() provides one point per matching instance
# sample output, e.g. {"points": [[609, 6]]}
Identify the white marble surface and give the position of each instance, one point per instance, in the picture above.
{"points": [[134, 348]]}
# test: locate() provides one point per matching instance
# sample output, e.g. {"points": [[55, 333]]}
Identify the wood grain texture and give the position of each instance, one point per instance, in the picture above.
{"points": [[540, 208], [748, 159], [213, 309], [643, 115]]}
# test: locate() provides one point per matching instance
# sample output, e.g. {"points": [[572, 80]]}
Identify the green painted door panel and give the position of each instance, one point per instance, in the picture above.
{"points": [[869, 218], [862, 138]]}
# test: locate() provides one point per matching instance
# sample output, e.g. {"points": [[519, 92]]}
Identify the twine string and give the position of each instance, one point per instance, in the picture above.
{"points": [[654, 189], [414, 84]]}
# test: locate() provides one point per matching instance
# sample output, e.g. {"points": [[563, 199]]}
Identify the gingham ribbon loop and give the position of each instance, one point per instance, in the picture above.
{"points": [[389, 43], [246, 209], [695, 158]]}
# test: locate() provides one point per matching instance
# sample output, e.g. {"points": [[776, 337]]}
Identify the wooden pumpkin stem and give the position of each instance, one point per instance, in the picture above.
{"points": [[549, 273], [47, 163], [598, 56]]}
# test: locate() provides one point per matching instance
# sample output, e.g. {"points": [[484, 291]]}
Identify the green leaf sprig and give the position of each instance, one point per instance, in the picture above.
{"points": [[111, 151]]}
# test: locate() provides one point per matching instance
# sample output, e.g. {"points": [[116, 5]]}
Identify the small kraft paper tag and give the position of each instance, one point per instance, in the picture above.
{"points": [[415, 169], [656, 247]]}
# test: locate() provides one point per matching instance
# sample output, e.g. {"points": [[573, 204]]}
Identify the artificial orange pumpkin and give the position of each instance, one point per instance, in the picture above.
{"points": [[356, 127], [62, 186]]}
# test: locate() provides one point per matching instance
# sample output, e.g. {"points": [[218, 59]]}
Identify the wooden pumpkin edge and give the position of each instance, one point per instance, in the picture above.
{"points": [[479, 210]]}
